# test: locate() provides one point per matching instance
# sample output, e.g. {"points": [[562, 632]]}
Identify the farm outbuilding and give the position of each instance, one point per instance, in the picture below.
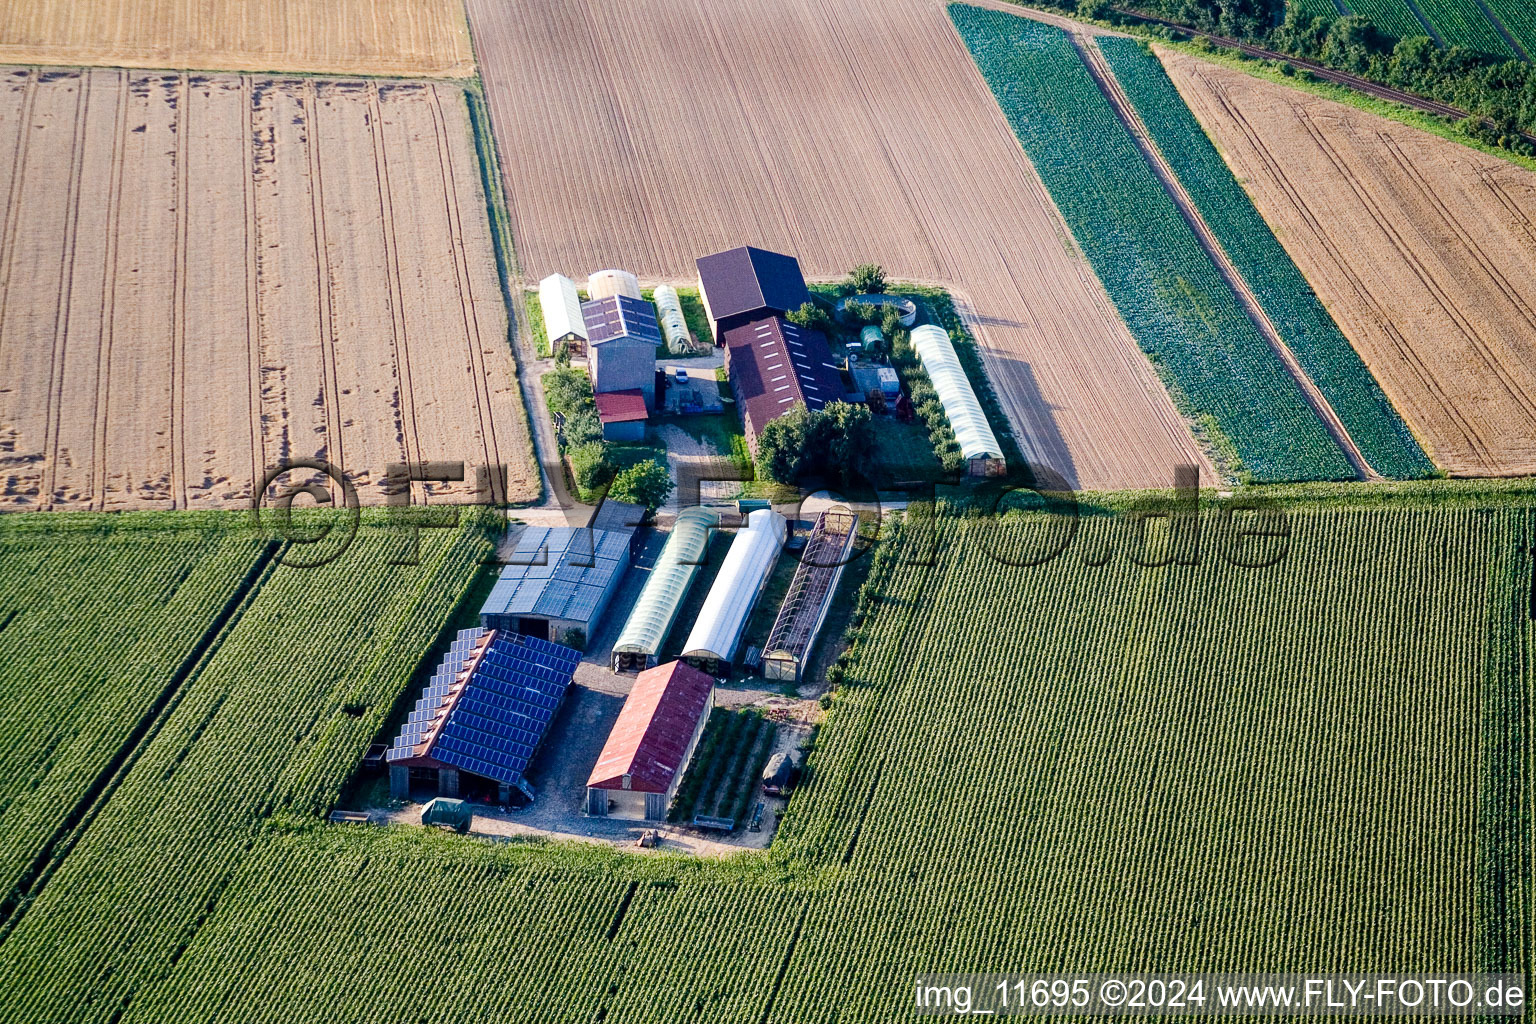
{"points": [[800, 618], [716, 633], [745, 284], [563, 322], [637, 773], [665, 590], [558, 579], [482, 716], [622, 414], [622, 335], [773, 365], [605, 284], [942, 364]]}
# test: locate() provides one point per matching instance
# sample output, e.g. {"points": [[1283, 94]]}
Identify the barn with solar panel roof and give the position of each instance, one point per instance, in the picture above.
{"points": [[476, 727]]}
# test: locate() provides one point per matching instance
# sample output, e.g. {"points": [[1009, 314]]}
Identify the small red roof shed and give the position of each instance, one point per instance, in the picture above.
{"points": [[654, 729], [621, 406]]}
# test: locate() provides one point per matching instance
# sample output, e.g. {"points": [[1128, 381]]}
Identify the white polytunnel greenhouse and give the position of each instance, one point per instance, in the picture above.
{"points": [[562, 312], [673, 325], [716, 634], [665, 590], [604, 284], [942, 364]]}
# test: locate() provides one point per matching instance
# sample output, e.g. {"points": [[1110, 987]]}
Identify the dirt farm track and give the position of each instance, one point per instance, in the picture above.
{"points": [[643, 134], [202, 275]]}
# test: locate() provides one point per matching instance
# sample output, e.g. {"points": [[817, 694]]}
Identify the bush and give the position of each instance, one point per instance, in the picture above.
{"points": [[574, 637], [582, 427], [868, 278], [810, 316], [567, 390], [645, 483], [590, 466]]}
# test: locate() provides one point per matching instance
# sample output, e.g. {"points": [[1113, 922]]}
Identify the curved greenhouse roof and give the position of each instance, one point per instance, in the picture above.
{"points": [[673, 324], [937, 354], [657, 606], [562, 308], [717, 631]]}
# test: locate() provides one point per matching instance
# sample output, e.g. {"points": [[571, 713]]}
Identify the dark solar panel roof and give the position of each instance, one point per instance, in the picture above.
{"points": [[490, 723], [620, 316], [774, 364], [746, 279]]}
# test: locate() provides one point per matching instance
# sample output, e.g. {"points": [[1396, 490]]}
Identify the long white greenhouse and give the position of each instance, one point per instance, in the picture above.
{"points": [[977, 442], [562, 312], [673, 324], [716, 633], [665, 590]]}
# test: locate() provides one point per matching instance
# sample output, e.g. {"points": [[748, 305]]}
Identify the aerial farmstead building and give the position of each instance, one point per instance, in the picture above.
{"points": [[482, 716], [622, 335], [800, 618], [642, 762], [977, 442], [558, 579], [745, 284], [716, 633], [622, 414], [774, 364], [604, 284], [665, 590], [563, 322]]}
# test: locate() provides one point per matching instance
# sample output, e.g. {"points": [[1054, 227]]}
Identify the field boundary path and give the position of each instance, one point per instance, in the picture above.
{"points": [[1126, 111]]}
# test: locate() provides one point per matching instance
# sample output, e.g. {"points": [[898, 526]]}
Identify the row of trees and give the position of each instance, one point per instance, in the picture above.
{"points": [[835, 442], [1499, 90]]}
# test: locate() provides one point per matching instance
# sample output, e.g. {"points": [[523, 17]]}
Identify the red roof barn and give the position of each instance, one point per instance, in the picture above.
{"points": [[650, 744]]}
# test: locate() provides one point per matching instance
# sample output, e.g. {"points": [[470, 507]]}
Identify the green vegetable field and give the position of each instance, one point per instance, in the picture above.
{"points": [[1375, 427], [1078, 764], [1183, 314]]}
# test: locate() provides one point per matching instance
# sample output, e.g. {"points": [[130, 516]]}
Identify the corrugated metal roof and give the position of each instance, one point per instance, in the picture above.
{"points": [[494, 707], [562, 308], [559, 572], [717, 631], [942, 364], [621, 406], [650, 738], [746, 279], [620, 316], [665, 589]]}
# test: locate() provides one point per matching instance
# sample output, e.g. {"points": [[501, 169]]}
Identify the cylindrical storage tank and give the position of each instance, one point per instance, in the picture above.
{"points": [[602, 284], [871, 336], [674, 326], [717, 631]]}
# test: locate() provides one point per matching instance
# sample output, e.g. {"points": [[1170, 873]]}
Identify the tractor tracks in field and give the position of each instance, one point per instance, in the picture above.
{"points": [[1125, 110]]}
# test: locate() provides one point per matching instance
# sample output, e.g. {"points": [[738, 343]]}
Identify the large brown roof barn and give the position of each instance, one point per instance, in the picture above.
{"points": [[746, 283], [774, 364]]}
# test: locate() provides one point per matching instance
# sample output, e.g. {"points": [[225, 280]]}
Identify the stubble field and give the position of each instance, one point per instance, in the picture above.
{"points": [[202, 276], [1423, 250], [400, 37], [836, 136]]}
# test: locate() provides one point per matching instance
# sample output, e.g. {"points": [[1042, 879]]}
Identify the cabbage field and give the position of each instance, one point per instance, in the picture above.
{"points": [[1323, 351], [1031, 763], [1217, 365]]}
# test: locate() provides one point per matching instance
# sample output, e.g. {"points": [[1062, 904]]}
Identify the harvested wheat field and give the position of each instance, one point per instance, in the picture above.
{"points": [[355, 37], [1423, 250], [647, 133], [202, 276]]}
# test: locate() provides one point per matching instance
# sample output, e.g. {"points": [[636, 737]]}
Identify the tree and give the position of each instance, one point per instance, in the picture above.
{"points": [[645, 483], [581, 427], [846, 437], [833, 442], [590, 465], [868, 278], [890, 321], [567, 390], [1094, 10], [781, 446], [810, 316]]}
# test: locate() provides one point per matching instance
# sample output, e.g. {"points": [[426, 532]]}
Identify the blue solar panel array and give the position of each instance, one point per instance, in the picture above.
{"points": [[503, 711], [620, 316], [425, 713]]}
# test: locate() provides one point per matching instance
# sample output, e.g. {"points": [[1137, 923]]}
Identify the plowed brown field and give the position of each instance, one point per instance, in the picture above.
{"points": [[644, 134], [355, 37], [1423, 250], [204, 275]]}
